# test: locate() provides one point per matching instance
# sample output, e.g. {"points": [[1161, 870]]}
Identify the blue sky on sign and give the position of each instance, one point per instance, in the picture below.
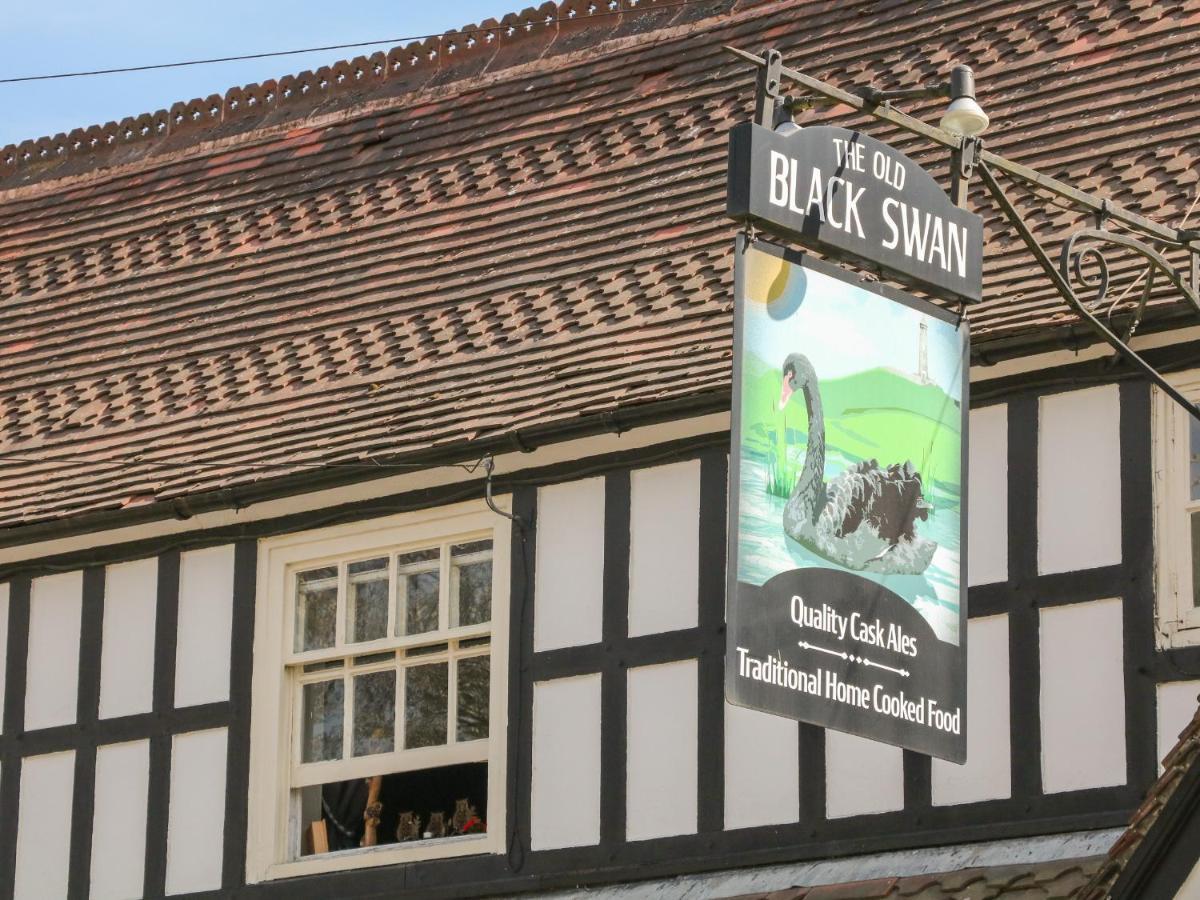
{"points": [[73, 35], [843, 329]]}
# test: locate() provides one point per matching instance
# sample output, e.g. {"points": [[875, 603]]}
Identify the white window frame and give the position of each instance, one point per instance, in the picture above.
{"points": [[274, 748], [1177, 617]]}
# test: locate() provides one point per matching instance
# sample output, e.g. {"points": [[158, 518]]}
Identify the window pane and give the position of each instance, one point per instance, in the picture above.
{"points": [[322, 735], [471, 583], [316, 608], [1195, 517], [374, 713], [367, 610], [1194, 458], [417, 587], [425, 694], [473, 698]]}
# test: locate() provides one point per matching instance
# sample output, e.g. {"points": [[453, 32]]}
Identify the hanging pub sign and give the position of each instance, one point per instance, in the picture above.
{"points": [[856, 198], [848, 465]]}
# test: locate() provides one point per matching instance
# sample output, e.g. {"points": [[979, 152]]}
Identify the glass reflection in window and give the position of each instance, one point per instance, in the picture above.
{"points": [[321, 734], [418, 579], [316, 608], [426, 689], [367, 607], [374, 713], [471, 583]]}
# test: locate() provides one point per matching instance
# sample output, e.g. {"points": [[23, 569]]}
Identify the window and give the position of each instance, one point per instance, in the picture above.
{"points": [[379, 694], [1177, 515]]}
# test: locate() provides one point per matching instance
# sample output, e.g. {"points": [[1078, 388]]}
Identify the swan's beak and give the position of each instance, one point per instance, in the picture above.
{"points": [[785, 393]]}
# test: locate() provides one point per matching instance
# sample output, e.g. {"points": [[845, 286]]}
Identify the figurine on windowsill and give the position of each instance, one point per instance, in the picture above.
{"points": [[436, 827], [408, 827], [464, 812]]}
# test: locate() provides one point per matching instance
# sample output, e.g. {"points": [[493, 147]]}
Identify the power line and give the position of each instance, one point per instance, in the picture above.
{"points": [[599, 13]]}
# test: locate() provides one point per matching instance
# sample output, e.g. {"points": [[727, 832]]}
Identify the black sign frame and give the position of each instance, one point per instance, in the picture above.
{"points": [[755, 621], [792, 184]]}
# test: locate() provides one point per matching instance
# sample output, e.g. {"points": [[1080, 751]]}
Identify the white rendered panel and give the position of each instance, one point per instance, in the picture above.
{"points": [[127, 650], [568, 600], [1176, 706], [3, 644], [664, 547], [861, 776], [205, 619], [565, 807], [661, 751], [119, 822], [1190, 889], [987, 774], [1083, 696], [55, 606], [987, 479], [196, 820], [762, 768], [1079, 480], [44, 826]]}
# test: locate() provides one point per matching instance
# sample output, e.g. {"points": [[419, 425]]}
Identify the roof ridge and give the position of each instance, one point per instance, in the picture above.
{"points": [[457, 54]]}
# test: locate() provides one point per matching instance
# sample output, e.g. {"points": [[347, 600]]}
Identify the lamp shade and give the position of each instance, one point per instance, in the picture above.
{"points": [[964, 116]]}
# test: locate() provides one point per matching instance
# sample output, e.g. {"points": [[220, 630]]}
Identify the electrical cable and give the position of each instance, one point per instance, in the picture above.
{"points": [[266, 55]]}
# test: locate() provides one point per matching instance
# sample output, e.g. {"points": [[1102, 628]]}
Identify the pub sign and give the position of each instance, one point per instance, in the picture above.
{"points": [[847, 564], [856, 198], [847, 499]]}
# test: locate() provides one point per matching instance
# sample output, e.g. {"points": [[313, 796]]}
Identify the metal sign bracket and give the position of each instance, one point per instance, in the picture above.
{"points": [[1141, 236]]}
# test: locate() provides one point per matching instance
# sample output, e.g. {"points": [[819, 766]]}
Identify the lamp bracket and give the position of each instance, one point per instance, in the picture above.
{"points": [[1082, 259]]}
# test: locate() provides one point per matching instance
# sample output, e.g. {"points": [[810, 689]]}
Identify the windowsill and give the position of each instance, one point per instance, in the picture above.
{"points": [[1175, 635], [384, 855]]}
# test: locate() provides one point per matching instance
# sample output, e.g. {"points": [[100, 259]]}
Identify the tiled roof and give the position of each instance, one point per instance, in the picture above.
{"points": [[1055, 880], [422, 252], [1182, 758]]}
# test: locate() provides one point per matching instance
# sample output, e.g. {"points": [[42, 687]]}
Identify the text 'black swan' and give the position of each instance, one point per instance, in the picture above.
{"points": [[865, 518]]}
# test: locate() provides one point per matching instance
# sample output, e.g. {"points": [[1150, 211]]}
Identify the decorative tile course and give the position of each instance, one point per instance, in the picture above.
{"points": [[433, 248]]}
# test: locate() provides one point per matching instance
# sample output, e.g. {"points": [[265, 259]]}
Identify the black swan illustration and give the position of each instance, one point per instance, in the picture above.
{"points": [[865, 518]]}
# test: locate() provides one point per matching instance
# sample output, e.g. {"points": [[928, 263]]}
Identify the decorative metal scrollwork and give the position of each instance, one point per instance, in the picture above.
{"points": [[1083, 247]]}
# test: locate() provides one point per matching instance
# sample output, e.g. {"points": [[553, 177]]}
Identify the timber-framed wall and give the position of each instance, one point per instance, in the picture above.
{"points": [[814, 834]]}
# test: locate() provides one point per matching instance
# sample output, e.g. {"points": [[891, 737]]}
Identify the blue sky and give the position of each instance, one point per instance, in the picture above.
{"points": [[70, 35]]}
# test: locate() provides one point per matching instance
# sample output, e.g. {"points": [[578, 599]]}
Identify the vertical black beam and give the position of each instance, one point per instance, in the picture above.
{"points": [[710, 718], [812, 777], [16, 656], [237, 762], [165, 635], [91, 632], [1024, 661], [1137, 557], [918, 784], [613, 699], [520, 680]]}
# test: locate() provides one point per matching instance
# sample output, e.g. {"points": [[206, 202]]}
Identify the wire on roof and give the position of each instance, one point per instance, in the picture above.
{"points": [[602, 8]]}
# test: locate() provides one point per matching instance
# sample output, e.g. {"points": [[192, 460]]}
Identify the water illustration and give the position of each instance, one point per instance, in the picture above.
{"points": [[849, 437]]}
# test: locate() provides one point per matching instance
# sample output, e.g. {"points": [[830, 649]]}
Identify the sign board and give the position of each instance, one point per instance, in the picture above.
{"points": [[847, 567], [849, 195]]}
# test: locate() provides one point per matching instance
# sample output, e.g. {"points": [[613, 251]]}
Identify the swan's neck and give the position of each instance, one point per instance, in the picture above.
{"points": [[810, 486]]}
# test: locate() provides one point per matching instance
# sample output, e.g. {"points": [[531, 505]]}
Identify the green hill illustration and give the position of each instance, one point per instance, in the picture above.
{"points": [[905, 420]]}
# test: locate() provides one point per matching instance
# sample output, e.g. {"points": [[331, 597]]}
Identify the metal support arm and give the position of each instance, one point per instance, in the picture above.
{"points": [[1058, 279], [1175, 236], [968, 154]]}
